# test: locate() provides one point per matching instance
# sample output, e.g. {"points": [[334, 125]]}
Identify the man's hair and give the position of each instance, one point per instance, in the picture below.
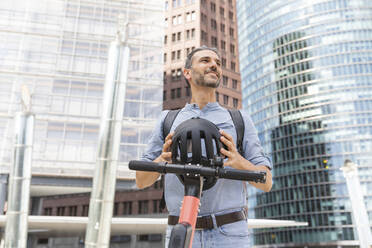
{"points": [[190, 55], [188, 62]]}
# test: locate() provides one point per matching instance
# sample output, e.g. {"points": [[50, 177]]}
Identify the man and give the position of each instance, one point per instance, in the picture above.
{"points": [[225, 203]]}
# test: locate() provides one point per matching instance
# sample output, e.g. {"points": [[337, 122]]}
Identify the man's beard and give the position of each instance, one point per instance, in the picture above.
{"points": [[199, 79]]}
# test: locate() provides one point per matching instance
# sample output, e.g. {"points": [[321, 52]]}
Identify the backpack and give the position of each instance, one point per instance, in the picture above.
{"points": [[236, 117]]}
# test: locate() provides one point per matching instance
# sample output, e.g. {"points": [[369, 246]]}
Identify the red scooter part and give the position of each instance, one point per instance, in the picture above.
{"points": [[183, 233]]}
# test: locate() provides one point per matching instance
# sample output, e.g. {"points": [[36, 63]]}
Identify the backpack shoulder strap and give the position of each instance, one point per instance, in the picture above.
{"points": [[238, 121], [167, 125], [168, 121]]}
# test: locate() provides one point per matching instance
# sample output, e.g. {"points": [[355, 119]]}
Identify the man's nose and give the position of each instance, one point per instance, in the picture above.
{"points": [[214, 66]]}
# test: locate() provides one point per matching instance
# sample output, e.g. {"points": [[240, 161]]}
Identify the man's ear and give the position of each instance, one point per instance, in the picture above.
{"points": [[187, 73]]}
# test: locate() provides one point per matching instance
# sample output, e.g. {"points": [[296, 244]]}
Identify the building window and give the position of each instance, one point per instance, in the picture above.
{"points": [[72, 210], [179, 19], [166, 22], [204, 36], [188, 17], [155, 206], [173, 37], [213, 7], [235, 103], [214, 41], [225, 80], [143, 207], [85, 210], [166, 5], [222, 27], [116, 209], [223, 45], [213, 24], [203, 18], [60, 211], [233, 66], [165, 77], [193, 16], [232, 49], [48, 211], [174, 75], [178, 36], [178, 92], [164, 95], [176, 3], [127, 208], [217, 96], [178, 54], [174, 20], [173, 93], [173, 55], [165, 57], [235, 84], [193, 33], [165, 39], [231, 15], [187, 91], [231, 32], [222, 12], [223, 61], [225, 99], [179, 73]]}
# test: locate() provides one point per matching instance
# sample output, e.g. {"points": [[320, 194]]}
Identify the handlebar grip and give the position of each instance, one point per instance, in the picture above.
{"points": [[146, 166], [243, 175]]}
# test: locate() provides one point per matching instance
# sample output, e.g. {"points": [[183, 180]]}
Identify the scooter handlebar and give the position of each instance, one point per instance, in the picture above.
{"points": [[227, 173]]}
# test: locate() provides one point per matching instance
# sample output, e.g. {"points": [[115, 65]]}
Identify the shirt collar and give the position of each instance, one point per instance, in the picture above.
{"points": [[209, 106]]}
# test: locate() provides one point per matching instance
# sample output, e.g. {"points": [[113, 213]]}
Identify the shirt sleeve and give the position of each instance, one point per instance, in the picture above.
{"points": [[253, 150], [156, 141]]}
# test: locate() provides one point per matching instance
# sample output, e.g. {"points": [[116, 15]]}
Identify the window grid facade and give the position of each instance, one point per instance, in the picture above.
{"points": [[61, 55], [306, 76]]}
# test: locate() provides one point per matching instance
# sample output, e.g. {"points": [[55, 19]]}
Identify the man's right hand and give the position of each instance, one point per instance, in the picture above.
{"points": [[166, 154], [144, 178]]}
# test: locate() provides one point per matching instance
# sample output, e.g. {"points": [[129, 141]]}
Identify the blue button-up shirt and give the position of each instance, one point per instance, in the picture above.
{"points": [[226, 194]]}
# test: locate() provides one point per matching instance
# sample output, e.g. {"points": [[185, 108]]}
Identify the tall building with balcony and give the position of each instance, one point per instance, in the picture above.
{"points": [[190, 24], [306, 72]]}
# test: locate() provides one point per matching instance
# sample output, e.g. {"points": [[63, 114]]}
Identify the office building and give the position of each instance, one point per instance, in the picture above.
{"points": [[59, 50], [306, 81], [190, 24]]}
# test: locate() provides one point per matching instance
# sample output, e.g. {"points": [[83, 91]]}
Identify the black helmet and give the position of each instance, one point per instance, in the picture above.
{"points": [[192, 137]]}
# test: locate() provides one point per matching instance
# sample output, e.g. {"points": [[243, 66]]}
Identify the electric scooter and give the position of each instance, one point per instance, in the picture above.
{"points": [[193, 177]]}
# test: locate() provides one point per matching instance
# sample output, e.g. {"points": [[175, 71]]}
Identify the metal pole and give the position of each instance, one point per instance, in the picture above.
{"points": [[102, 197], [19, 182], [350, 171]]}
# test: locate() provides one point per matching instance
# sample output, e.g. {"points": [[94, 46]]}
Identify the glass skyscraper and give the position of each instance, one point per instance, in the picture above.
{"points": [[306, 70], [59, 49]]}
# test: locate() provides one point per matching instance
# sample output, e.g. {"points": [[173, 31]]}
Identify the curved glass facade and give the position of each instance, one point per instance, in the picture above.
{"points": [[306, 72]]}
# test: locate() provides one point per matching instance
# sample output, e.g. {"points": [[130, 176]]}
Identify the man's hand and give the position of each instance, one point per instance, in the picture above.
{"points": [[166, 154], [236, 161], [146, 178]]}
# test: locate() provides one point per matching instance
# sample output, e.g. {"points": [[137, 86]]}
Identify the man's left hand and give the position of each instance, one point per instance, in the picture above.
{"points": [[235, 160]]}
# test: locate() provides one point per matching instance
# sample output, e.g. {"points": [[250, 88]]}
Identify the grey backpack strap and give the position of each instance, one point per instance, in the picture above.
{"points": [[167, 125], [238, 121], [168, 121]]}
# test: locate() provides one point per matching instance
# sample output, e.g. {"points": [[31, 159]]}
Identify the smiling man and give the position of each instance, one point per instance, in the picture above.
{"points": [[223, 205]]}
